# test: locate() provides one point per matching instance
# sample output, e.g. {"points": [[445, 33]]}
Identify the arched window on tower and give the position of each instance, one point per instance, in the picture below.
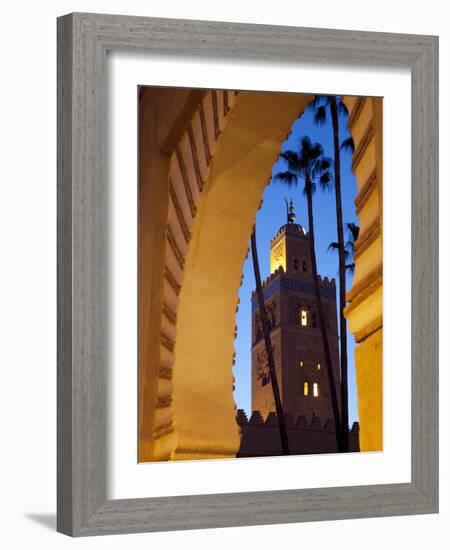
{"points": [[295, 264], [305, 389], [304, 267], [303, 317], [316, 389]]}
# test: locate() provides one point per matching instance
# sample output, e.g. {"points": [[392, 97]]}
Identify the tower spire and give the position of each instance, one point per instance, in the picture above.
{"points": [[291, 217]]}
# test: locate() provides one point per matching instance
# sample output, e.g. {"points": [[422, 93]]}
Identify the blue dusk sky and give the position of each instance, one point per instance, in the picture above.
{"points": [[270, 218]]}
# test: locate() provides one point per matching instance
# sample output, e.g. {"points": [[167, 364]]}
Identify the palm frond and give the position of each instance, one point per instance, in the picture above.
{"points": [[325, 163], [333, 246], [317, 151], [322, 165], [350, 247], [315, 103], [309, 164], [350, 267], [305, 145], [320, 116], [288, 178], [353, 229], [341, 108], [313, 157], [348, 145], [325, 181], [292, 160]]}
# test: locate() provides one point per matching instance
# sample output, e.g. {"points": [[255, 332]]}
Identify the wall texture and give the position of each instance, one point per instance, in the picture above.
{"points": [[365, 298]]}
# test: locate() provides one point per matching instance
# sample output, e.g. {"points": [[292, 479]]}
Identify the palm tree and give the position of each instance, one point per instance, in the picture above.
{"points": [[353, 229], [311, 167], [336, 106], [349, 246], [269, 349]]}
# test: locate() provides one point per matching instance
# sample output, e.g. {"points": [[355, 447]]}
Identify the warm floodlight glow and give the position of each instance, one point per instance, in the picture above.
{"points": [[278, 256], [304, 318], [315, 389], [318, 366], [305, 389]]}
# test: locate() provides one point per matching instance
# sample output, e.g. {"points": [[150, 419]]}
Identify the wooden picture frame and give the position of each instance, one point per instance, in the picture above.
{"points": [[83, 41]]}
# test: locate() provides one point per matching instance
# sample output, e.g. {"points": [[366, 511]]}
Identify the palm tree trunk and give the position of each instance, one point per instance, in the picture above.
{"points": [[323, 330], [269, 350], [342, 289]]}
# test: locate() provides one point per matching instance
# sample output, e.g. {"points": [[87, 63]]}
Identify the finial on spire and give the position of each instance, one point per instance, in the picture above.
{"points": [[291, 217]]}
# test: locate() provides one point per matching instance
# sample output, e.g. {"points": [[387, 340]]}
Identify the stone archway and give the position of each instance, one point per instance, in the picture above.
{"points": [[211, 157]]}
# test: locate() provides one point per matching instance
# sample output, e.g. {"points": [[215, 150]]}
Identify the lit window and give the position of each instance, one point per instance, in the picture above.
{"points": [[304, 318], [318, 366], [301, 363], [315, 389], [305, 389]]}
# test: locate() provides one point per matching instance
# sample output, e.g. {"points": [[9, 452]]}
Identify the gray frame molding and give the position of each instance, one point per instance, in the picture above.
{"points": [[83, 40]]}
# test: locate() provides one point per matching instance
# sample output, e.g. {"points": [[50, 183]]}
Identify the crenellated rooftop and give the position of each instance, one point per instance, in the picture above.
{"points": [[279, 280], [278, 272], [325, 281], [300, 423]]}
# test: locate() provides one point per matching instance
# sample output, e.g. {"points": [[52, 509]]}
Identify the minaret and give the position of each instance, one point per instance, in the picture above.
{"points": [[291, 308], [289, 248]]}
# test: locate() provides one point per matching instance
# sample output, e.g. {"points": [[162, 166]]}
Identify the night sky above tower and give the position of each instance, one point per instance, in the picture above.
{"points": [[272, 215]]}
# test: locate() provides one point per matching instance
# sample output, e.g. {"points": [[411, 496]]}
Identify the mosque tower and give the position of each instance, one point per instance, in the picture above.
{"points": [[296, 339]]}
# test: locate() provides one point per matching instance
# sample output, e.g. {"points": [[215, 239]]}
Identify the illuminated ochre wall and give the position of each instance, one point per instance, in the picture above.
{"points": [[365, 299], [205, 158]]}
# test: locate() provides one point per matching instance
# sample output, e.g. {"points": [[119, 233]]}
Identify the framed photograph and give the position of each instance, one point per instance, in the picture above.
{"points": [[247, 274]]}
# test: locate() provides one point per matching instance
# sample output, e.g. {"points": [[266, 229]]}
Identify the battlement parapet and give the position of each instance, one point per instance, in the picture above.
{"points": [[241, 417], [326, 282], [261, 437], [264, 284], [278, 280], [299, 423], [277, 273], [328, 286]]}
